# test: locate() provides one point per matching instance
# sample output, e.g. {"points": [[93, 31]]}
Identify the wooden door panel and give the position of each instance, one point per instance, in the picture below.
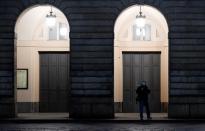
{"points": [[54, 82], [138, 67]]}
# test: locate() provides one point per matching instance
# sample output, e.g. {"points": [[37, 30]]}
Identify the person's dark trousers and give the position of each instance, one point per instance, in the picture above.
{"points": [[141, 106]]}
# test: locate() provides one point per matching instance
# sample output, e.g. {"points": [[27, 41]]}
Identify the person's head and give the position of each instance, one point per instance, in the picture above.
{"points": [[143, 83]]}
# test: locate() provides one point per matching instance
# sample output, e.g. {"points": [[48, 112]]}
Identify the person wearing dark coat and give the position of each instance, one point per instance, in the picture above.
{"points": [[142, 97]]}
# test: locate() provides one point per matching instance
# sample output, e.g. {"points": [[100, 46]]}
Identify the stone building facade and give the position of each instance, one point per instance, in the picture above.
{"points": [[92, 39]]}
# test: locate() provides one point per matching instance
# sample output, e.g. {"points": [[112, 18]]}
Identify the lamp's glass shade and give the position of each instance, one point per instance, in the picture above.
{"points": [[50, 21], [140, 22]]}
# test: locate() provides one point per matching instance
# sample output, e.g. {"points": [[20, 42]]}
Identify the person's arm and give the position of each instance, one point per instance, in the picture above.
{"points": [[137, 91], [148, 90]]}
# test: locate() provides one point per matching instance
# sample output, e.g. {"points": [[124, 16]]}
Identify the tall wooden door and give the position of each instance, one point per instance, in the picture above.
{"points": [[54, 82], [141, 67]]}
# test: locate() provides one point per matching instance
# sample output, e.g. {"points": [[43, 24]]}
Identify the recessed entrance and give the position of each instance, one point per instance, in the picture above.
{"points": [[54, 76], [140, 54], [42, 61], [141, 67]]}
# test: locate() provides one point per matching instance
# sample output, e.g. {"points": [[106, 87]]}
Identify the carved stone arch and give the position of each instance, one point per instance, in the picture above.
{"points": [[30, 27], [125, 19]]}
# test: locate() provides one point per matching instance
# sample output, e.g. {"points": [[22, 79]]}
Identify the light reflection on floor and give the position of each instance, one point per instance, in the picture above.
{"points": [[65, 116]]}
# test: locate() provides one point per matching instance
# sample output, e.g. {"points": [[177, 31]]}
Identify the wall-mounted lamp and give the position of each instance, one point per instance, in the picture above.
{"points": [[140, 19], [50, 19]]}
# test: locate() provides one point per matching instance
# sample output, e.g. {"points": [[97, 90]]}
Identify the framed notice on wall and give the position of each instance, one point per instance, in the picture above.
{"points": [[22, 78]]}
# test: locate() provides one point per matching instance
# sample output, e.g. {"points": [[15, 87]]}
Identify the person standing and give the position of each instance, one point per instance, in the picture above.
{"points": [[142, 97]]}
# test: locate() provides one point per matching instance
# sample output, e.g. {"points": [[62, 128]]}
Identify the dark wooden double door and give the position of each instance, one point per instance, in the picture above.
{"points": [[141, 67], [54, 82]]}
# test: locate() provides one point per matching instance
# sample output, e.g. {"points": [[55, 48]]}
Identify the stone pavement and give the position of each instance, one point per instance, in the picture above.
{"points": [[121, 122], [104, 127], [65, 116]]}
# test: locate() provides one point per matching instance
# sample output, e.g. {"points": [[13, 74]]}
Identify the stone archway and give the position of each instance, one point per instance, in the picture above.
{"points": [[44, 52], [125, 43]]}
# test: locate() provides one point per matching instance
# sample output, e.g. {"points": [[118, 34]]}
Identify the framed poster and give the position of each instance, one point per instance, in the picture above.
{"points": [[22, 78]]}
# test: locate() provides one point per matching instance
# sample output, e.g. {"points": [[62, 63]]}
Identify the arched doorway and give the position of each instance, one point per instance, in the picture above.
{"points": [[42, 61], [140, 57]]}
